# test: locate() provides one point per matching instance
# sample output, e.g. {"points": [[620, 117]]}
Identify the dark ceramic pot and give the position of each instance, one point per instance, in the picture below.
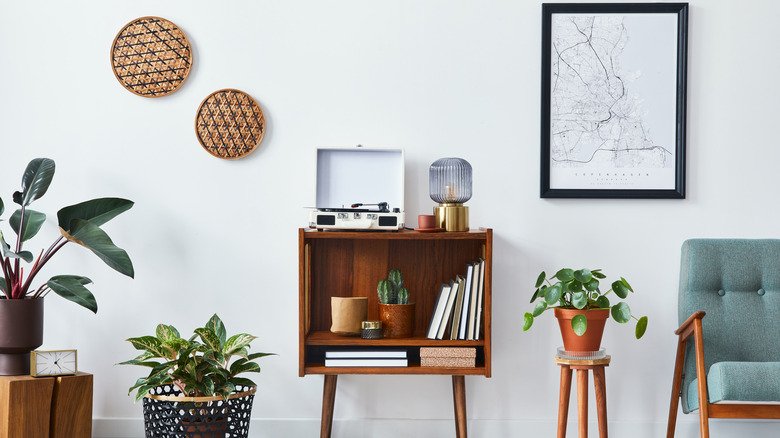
{"points": [[591, 339], [21, 331]]}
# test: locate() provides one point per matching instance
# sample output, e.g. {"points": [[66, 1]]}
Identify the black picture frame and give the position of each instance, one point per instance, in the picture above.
{"points": [[602, 144]]}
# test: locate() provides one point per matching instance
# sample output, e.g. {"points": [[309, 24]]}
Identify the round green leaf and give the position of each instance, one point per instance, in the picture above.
{"points": [[583, 275], [540, 279], [602, 302], [641, 327], [620, 289], [574, 286], [553, 294], [579, 324], [565, 275], [540, 307], [625, 283], [528, 320], [592, 285], [621, 313], [579, 299]]}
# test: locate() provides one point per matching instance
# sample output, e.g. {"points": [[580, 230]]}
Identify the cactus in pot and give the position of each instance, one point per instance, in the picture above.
{"points": [[395, 311]]}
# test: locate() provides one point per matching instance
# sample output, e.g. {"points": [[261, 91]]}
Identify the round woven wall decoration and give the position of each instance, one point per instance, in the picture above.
{"points": [[229, 124], [151, 57]]}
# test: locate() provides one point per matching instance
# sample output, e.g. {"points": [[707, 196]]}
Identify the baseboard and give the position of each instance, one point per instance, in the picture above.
{"points": [[445, 428]]}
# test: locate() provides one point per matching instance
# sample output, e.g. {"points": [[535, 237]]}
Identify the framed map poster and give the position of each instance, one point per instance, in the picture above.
{"points": [[613, 100]]}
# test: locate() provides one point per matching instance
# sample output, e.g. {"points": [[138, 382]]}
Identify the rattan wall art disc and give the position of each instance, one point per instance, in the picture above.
{"points": [[229, 124], [151, 57]]}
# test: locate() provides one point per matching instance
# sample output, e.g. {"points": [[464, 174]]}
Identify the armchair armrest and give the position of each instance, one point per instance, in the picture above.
{"points": [[686, 329]]}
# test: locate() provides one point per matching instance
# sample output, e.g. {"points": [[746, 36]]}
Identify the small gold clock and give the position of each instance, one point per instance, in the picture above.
{"points": [[53, 363]]}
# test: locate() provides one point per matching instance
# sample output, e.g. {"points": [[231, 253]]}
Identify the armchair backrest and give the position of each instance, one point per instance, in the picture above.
{"points": [[737, 283]]}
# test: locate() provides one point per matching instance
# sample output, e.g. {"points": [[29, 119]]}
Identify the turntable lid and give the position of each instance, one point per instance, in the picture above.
{"points": [[350, 175]]}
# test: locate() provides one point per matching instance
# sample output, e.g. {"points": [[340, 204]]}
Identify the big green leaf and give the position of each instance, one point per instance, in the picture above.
{"points": [[71, 287], [167, 332], [553, 294], [621, 312], [641, 327], [528, 321], [620, 289], [583, 275], [247, 367], [35, 181], [565, 274], [237, 342], [602, 302], [147, 343], [215, 324], [579, 324], [90, 236], [540, 279], [209, 338], [97, 211], [579, 300], [540, 307], [592, 285], [27, 256], [33, 220]]}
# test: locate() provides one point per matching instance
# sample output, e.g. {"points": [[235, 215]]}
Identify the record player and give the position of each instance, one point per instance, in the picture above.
{"points": [[359, 189]]}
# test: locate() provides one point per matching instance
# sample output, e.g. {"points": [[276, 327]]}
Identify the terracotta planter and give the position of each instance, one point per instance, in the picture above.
{"points": [[591, 339], [397, 320], [21, 331]]}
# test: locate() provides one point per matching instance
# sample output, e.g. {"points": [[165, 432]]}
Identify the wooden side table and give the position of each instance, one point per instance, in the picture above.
{"points": [[53, 407], [599, 381]]}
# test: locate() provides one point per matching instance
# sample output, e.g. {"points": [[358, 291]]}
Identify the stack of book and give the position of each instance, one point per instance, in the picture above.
{"points": [[366, 358], [458, 310]]}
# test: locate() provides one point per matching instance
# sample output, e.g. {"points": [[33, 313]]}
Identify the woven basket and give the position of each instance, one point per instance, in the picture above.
{"points": [[229, 124], [169, 415], [151, 57]]}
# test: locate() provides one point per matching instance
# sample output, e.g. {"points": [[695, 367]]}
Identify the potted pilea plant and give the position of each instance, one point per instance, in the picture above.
{"points": [[395, 312], [581, 307], [21, 301], [194, 384]]}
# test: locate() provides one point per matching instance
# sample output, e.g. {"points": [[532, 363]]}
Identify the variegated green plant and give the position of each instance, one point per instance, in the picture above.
{"points": [[79, 223], [580, 290], [199, 366]]}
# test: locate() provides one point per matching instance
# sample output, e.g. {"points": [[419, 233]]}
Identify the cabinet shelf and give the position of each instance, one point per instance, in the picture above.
{"points": [[350, 264]]}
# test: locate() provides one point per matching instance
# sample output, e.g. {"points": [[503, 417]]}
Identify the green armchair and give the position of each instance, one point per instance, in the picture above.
{"points": [[728, 362]]}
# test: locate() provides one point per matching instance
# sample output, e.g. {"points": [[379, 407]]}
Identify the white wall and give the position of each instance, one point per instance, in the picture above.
{"points": [[436, 77]]}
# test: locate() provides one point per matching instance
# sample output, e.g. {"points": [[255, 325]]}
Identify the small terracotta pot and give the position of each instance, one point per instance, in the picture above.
{"points": [[21, 331], [591, 339], [426, 221], [397, 320]]}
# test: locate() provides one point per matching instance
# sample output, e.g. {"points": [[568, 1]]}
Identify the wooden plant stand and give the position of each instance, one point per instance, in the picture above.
{"points": [[582, 366]]}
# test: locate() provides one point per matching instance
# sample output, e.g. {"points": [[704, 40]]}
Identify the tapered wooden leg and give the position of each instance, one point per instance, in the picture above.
{"points": [[459, 400], [563, 400], [676, 386], [701, 375], [328, 403], [600, 384], [582, 402]]}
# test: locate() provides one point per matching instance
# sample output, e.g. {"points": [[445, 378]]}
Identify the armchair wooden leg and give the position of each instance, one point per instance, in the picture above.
{"points": [[701, 376], [676, 386]]}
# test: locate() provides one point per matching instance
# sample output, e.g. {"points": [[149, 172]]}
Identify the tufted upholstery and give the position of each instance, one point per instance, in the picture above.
{"points": [[737, 283]]}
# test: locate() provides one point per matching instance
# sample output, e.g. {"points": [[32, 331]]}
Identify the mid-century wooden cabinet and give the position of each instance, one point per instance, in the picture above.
{"points": [[350, 264]]}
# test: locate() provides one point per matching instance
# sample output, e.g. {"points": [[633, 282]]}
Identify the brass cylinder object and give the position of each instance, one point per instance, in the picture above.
{"points": [[452, 217]]}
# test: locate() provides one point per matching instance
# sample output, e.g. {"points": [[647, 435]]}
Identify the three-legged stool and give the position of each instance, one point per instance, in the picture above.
{"points": [[600, 382]]}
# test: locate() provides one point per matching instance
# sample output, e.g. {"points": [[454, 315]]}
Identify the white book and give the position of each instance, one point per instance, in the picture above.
{"points": [[458, 307], [448, 309], [366, 354], [366, 362], [438, 311], [480, 294], [473, 304], [464, 313]]}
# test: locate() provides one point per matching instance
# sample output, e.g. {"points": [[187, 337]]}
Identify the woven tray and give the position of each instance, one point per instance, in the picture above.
{"points": [[151, 57], [229, 124]]}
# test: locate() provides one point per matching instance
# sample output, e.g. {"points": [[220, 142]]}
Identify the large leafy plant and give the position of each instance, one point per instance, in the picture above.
{"points": [[79, 223], [199, 366], [581, 290]]}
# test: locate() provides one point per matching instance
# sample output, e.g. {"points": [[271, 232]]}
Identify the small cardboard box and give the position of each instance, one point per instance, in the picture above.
{"points": [[464, 357]]}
